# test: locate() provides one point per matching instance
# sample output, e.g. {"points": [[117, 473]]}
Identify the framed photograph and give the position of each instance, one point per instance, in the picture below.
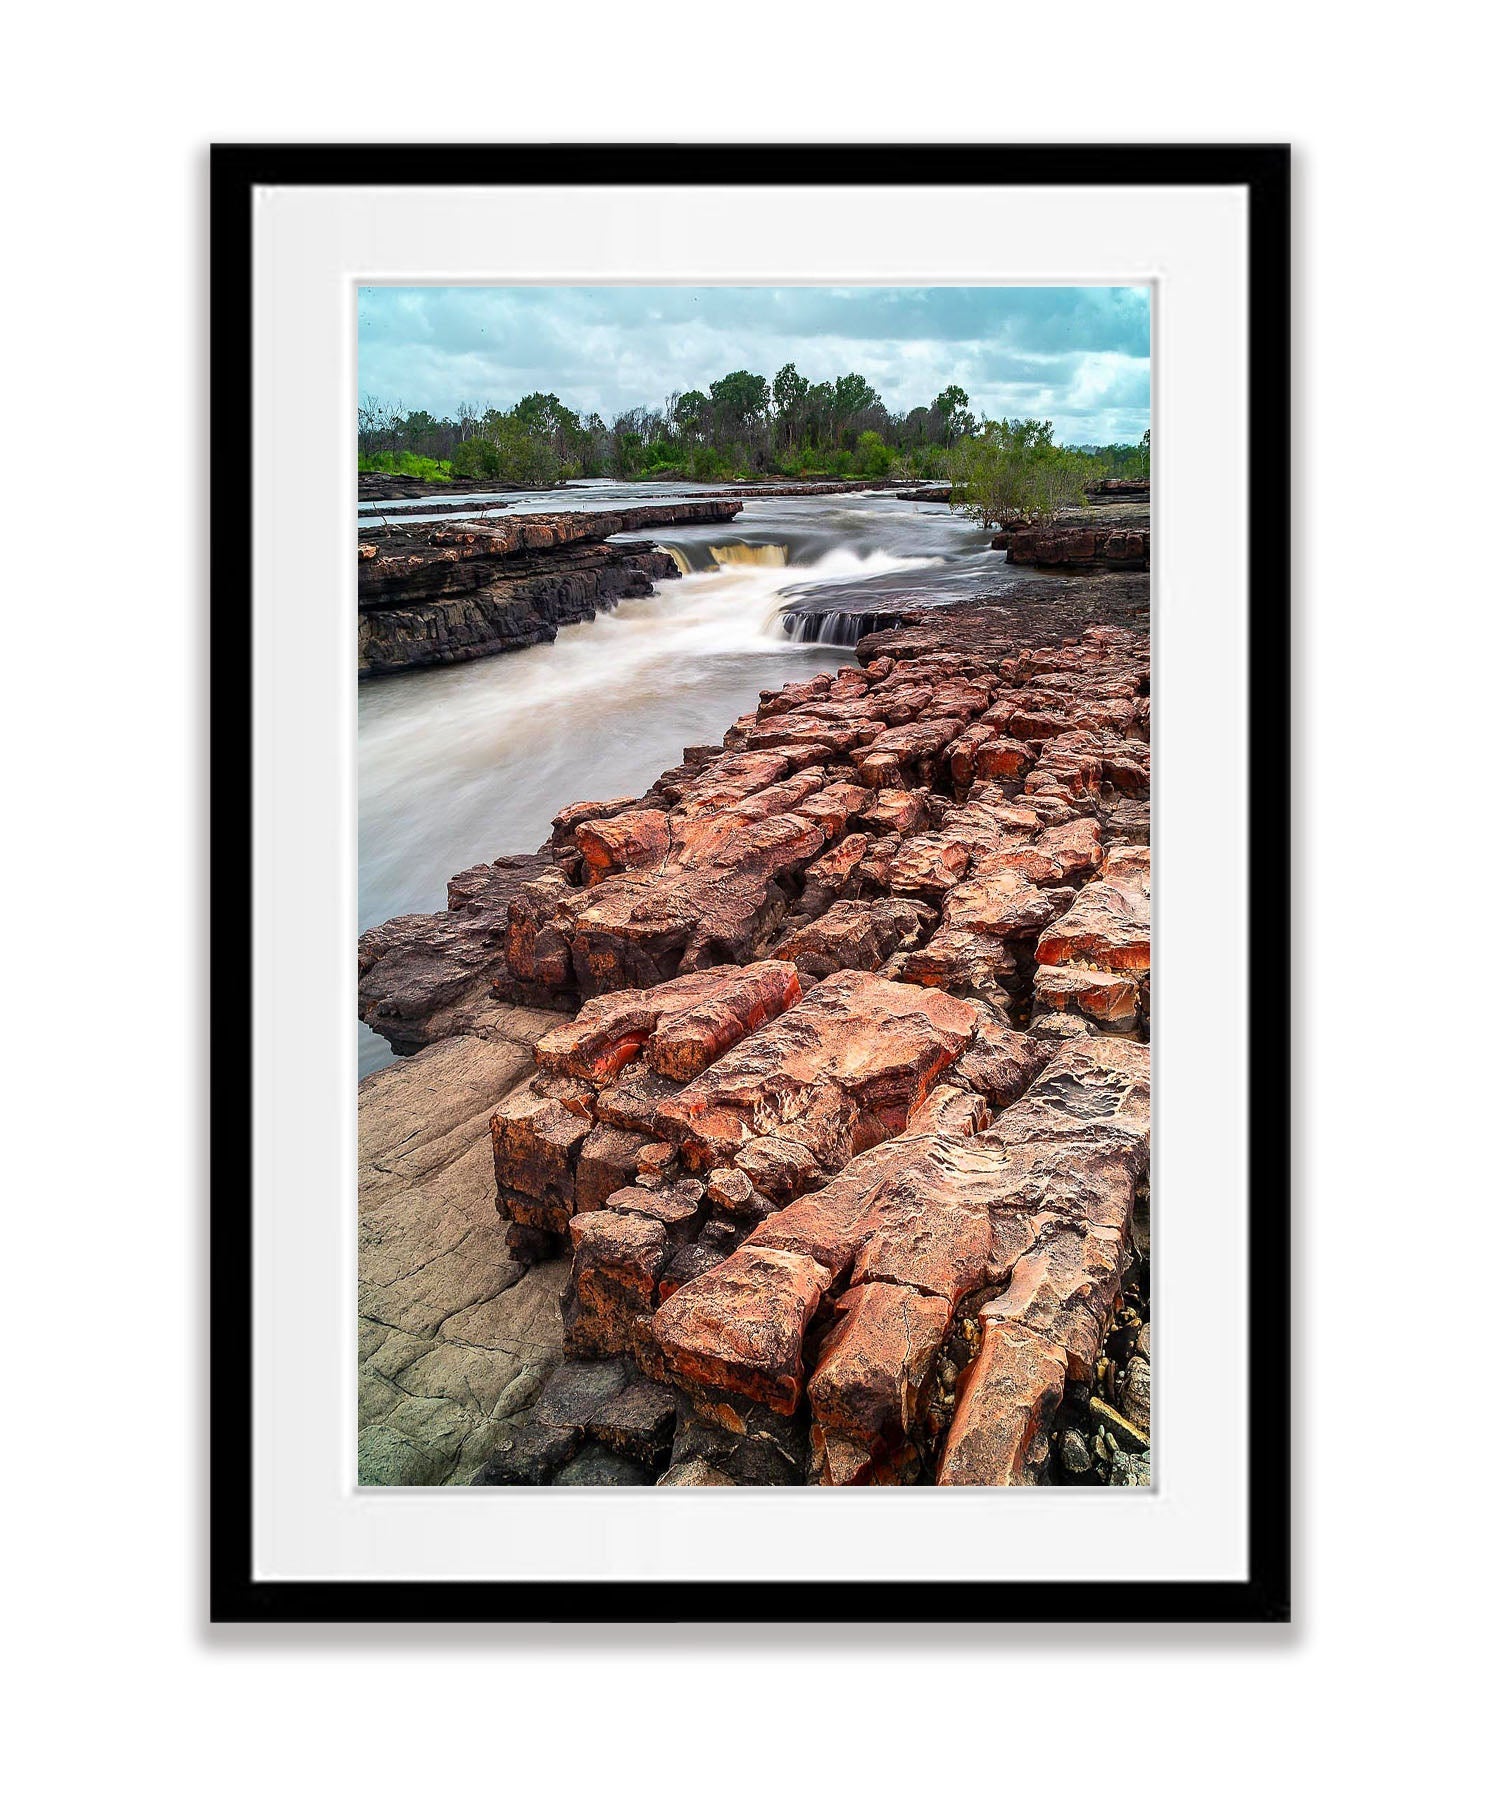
{"points": [[750, 767]]}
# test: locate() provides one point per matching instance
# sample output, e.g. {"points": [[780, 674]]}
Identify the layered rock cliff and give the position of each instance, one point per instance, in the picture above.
{"points": [[477, 588]]}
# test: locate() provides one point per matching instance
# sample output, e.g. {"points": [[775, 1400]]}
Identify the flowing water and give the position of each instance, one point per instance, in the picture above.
{"points": [[461, 765]]}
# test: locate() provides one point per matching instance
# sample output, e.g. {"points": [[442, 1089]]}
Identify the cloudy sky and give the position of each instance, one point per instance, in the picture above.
{"points": [[1078, 356]]}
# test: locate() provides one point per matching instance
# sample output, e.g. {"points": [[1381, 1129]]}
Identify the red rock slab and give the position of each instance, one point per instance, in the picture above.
{"points": [[779, 1168], [1065, 1290], [793, 730], [913, 1211], [617, 1258], [928, 1226], [896, 811], [839, 1071], [854, 934], [828, 1223], [998, 1436], [950, 1111], [961, 962], [1129, 771], [1100, 1082], [611, 1030], [914, 745], [792, 695], [584, 812], [685, 1043], [537, 948], [1109, 924], [606, 1162], [678, 1206], [536, 1143], [738, 1328], [1001, 759], [1073, 773], [630, 840], [730, 778], [700, 833], [703, 907], [832, 807], [1105, 998], [931, 863], [869, 1378], [833, 875], [1004, 904], [1058, 854], [633, 1099], [1000, 1063]]}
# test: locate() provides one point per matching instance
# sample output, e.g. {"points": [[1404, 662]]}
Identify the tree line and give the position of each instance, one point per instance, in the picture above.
{"points": [[744, 427]]}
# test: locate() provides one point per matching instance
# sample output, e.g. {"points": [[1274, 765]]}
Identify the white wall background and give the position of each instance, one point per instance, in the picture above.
{"points": [[1379, 1686]]}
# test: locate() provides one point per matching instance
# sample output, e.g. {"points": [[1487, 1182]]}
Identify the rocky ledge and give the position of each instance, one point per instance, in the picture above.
{"points": [[1077, 547], [839, 1153], [411, 487], [477, 588]]}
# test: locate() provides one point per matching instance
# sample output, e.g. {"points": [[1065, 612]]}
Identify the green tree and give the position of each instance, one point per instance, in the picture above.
{"points": [[789, 391], [1012, 469], [872, 456], [950, 412], [739, 400]]}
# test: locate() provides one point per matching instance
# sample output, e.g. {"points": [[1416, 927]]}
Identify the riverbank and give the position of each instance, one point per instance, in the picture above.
{"points": [[826, 993]]}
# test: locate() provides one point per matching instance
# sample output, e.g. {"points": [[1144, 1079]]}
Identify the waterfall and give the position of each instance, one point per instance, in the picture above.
{"points": [[684, 567], [842, 628], [766, 556]]}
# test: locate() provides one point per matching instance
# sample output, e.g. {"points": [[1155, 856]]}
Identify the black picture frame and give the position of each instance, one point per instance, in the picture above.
{"points": [[1263, 171]]}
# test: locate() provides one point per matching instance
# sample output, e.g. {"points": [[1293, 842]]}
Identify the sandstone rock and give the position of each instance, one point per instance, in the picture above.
{"points": [[452, 1329], [612, 1289], [739, 1328], [790, 1141], [837, 1072], [865, 1389], [1004, 1410], [1109, 924]]}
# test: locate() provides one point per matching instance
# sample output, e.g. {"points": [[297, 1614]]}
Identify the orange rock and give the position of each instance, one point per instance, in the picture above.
{"points": [[1109, 924], [1006, 1405], [838, 1072], [865, 1388], [739, 1328], [685, 1043], [1108, 999], [617, 1258]]}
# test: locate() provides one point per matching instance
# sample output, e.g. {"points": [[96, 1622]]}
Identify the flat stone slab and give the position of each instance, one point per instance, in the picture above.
{"points": [[454, 1337]]}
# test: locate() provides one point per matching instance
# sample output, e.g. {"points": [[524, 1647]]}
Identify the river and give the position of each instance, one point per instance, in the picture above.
{"points": [[461, 765]]}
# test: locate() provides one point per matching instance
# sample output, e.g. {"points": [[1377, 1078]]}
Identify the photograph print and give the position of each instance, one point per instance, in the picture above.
{"points": [[754, 788]]}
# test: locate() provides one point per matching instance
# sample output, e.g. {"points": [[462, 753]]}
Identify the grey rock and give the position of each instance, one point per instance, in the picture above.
{"points": [[594, 1466], [638, 1423], [1073, 1453], [1134, 1393], [1127, 1470], [576, 1391], [530, 1456]]}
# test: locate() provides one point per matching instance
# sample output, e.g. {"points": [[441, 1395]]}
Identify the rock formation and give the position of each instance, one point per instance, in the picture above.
{"points": [[841, 1125], [471, 588]]}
